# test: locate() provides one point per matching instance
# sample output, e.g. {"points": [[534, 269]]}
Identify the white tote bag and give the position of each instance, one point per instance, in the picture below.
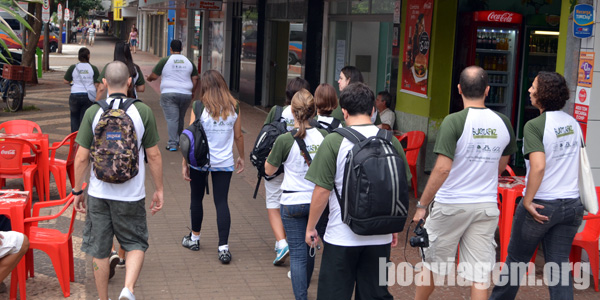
{"points": [[587, 190]]}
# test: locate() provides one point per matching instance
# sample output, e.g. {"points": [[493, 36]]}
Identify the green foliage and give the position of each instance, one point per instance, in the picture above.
{"points": [[82, 7], [12, 8]]}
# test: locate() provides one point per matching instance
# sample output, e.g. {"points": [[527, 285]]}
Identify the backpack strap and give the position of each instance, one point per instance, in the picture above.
{"points": [[351, 134], [335, 123], [103, 105], [278, 113], [197, 108], [302, 146], [314, 123], [384, 134], [126, 103]]}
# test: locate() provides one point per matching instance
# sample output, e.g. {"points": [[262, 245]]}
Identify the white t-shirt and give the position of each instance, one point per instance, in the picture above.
{"points": [[83, 79], [176, 74], [483, 138], [288, 117], [296, 168], [327, 120], [133, 189], [219, 134], [559, 136]]}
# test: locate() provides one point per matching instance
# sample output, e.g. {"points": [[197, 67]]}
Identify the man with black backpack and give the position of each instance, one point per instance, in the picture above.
{"points": [[353, 243], [113, 136], [473, 147]]}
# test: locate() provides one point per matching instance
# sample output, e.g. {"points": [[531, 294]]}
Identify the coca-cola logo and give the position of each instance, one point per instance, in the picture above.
{"points": [[8, 152], [503, 17]]}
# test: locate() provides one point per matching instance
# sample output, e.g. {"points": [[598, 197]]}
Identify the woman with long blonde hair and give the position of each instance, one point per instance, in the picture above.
{"points": [[219, 113], [297, 191]]}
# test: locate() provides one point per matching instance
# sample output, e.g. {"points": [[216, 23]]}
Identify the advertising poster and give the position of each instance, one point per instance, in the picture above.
{"points": [[417, 38], [582, 107], [586, 69]]}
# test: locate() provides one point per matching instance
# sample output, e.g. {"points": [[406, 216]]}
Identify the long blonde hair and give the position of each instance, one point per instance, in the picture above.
{"points": [[216, 97], [303, 109]]}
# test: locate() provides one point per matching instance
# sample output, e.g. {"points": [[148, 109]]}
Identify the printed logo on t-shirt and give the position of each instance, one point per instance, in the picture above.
{"points": [[484, 133], [84, 72], [312, 149], [563, 131], [289, 122]]}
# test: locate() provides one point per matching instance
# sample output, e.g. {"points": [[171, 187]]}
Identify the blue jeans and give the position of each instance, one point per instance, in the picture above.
{"points": [[174, 106], [556, 236], [295, 218]]}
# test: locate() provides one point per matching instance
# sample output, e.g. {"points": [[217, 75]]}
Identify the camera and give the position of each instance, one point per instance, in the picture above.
{"points": [[422, 238]]}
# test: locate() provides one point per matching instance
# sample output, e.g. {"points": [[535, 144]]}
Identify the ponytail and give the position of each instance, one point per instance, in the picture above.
{"points": [[303, 109]]}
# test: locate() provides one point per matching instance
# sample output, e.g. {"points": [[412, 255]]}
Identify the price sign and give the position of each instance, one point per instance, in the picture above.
{"points": [[59, 12]]}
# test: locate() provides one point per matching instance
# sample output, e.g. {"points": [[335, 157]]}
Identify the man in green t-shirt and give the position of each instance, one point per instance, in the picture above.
{"points": [[117, 209], [473, 147], [349, 260]]}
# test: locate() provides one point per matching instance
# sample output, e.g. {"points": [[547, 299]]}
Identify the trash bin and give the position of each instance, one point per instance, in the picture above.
{"points": [[64, 37]]}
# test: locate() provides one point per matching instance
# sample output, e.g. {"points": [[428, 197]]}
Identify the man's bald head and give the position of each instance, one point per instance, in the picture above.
{"points": [[116, 75], [473, 82]]}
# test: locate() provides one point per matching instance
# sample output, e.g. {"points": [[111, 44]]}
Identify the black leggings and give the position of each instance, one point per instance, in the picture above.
{"points": [[220, 190]]}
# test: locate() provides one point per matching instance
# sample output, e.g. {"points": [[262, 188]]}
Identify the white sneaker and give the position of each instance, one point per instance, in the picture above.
{"points": [[290, 274], [126, 294]]}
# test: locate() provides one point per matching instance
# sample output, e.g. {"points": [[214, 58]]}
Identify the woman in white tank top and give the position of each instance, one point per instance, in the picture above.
{"points": [[222, 124]]}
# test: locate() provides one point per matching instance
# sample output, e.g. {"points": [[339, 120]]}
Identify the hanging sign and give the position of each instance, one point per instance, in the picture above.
{"points": [[45, 14], [498, 17], [59, 12], [203, 5], [582, 107], [67, 14], [417, 40], [583, 21]]}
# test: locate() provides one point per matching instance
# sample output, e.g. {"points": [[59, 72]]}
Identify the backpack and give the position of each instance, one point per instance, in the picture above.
{"points": [[263, 145], [324, 125], [193, 141], [374, 198], [114, 152]]}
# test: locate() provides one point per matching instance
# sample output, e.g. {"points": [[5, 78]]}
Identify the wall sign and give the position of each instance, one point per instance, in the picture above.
{"points": [[498, 17], [417, 39], [204, 5], [585, 69], [583, 21]]}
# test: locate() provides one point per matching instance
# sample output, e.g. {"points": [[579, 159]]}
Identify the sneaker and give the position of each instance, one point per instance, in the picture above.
{"points": [[188, 243], [282, 254], [290, 274], [114, 260], [224, 256], [121, 263], [171, 148], [126, 294]]}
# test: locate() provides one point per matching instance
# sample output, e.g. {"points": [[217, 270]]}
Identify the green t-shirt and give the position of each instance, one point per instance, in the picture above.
{"points": [[282, 146], [85, 136], [533, 135], [324, 168], [139, 80]]}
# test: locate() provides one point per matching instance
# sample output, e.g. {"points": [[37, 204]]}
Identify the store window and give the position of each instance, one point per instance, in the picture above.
{"points": [[248, 61], [361, 7]]}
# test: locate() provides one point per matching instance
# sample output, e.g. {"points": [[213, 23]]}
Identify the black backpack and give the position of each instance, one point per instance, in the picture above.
{"points": [[324, 125], [193, 141], [263, 145], [374, 198]]}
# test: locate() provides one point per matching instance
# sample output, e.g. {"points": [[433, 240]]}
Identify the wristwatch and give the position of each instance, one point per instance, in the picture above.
{"points": [[420, 206], [76, 193]]}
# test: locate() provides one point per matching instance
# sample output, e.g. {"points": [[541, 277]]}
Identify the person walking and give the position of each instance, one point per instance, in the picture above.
{"points": [[350, 262], [138, 84], [179, 80], [550, 212], [473, 148], [84, 81], [92, 34], [326, 102], [349, 75], [117, 209], [297, 191], [219, 113], [133, 39], [83, 40], [273, 184]]}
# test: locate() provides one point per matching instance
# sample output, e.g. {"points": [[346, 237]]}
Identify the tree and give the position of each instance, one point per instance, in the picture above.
{"points": [[12, 8]]}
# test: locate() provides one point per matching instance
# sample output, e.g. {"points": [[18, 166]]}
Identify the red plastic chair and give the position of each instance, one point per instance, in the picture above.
{"points": [[588, 241], [414, 141], [61, 168], [21, 126], [11, 164], [58, 245]]}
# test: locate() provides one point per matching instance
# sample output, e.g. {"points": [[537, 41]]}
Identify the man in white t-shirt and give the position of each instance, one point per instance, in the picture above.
{"points": [[117, 209], [387, 116], [179, 80], [473, 147]]}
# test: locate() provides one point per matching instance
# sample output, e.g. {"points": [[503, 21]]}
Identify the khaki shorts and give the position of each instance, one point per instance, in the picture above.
{"points": [[470, 226], [273, 192], [126, 220], [11, 243]]}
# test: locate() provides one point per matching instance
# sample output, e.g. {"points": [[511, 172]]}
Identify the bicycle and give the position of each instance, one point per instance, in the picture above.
{"points": [[12, 92]]}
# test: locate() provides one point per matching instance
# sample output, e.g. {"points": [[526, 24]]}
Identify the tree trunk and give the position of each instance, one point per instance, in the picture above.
{"points": [[28, 58]]}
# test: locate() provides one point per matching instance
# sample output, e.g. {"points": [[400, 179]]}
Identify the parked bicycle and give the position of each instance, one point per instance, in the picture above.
{"points": [[12, 84]]}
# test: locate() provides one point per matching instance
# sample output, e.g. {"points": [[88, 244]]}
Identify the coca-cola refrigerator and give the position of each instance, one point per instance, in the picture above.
{"points": [[490, 39]]}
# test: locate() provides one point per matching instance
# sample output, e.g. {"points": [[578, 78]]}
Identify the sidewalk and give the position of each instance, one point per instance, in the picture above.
{"points": [[171, 271]]}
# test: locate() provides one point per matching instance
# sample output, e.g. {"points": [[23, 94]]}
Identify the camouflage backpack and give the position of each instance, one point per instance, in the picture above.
{"points": [[114, 151]]}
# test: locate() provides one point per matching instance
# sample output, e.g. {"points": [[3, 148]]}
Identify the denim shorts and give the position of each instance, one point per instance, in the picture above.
{"points": [[107, 218], [133, 43]]}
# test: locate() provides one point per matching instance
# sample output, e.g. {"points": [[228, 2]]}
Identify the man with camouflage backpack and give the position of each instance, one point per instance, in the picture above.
{"points": [[113, 135]]}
